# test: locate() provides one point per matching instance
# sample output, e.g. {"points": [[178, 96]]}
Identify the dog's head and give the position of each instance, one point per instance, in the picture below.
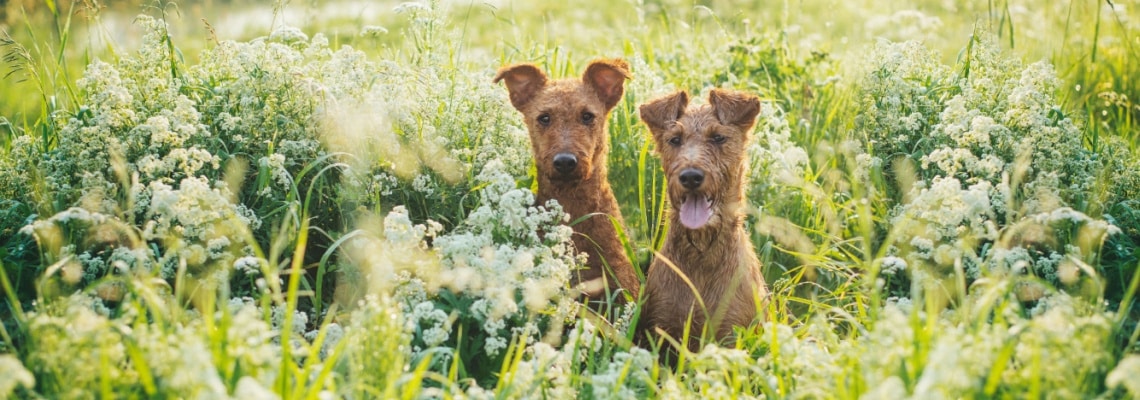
{"points": [[567, 117], [703, 150]]}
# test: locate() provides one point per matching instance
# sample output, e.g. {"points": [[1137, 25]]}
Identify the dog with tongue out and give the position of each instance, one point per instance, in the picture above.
{"points": [[707, 275]]}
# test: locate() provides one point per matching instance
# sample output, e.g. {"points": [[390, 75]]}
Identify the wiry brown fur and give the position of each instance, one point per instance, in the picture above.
{"points": [[717, 258], [585, 190]]}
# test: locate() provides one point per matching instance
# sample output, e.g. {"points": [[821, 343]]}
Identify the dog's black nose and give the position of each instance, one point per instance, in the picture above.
{"points": [[691, 178], [565, 163]]}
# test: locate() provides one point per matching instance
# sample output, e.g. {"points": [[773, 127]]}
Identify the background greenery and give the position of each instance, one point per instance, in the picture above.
{"points": [[303, 200]]}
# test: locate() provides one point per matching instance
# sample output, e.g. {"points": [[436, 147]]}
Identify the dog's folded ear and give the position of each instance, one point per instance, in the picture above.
{"points": [[735, 108], [523, 81], [661, 113], [607, 77]]}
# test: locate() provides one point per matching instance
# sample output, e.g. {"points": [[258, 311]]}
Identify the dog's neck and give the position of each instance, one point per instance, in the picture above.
{"points": [[581, 197]]}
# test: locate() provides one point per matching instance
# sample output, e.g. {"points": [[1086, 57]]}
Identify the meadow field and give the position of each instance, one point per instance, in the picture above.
{"points": [[317, 200]]}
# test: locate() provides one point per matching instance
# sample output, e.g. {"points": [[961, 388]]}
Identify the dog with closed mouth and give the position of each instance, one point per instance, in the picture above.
{"points": [[566, 120]]}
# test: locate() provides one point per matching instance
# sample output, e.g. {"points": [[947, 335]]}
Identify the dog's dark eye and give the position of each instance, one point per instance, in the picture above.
{"points": [[675, 141], [587, 117], [719, 139], [544, 119]]}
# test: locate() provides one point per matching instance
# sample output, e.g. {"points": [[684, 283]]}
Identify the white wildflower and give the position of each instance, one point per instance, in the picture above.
{"points": [[16, 375]]}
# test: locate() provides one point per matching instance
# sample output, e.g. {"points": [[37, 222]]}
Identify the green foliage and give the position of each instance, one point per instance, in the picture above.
{"points": [[347, 215]]}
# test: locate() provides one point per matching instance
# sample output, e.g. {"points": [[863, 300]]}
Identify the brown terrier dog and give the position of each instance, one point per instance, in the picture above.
{"points": [[703, 151], [567, 123]]}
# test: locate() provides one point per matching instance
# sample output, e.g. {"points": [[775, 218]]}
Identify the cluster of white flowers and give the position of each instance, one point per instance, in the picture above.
{"points": [[171, 356], [545, 373], [117, 249], [901, 97], [1124, 375], [16, 376], [775, 161], [198, 224], [430, 324], [943, 217], [493, 277], [395, 129], [134, 125], [249, 339], [499, 239], [149, 139], [1003, 120], [547, 369], [275, 165], [388, 257], [893, 266], [147, 146], [297, 323], [497, 259], [550, 367], [185, 363], [78, 327], [423, 184], [1068, 323], [628, 375], [716, 372], [379, 343], [72, 217], [957, 361], [995, 150]]}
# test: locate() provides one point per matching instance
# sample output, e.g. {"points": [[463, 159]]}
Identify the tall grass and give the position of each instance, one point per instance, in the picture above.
{"points": [[291, 217]]}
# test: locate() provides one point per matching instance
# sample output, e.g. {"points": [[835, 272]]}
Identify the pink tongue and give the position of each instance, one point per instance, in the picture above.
{"points": [[695, 211]]}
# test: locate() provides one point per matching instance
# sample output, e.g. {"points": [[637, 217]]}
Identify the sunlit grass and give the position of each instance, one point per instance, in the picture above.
{"points": [[319, 204]]}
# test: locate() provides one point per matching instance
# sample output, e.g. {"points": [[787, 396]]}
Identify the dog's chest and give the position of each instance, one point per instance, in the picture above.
{"points": [[719, 272]]}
